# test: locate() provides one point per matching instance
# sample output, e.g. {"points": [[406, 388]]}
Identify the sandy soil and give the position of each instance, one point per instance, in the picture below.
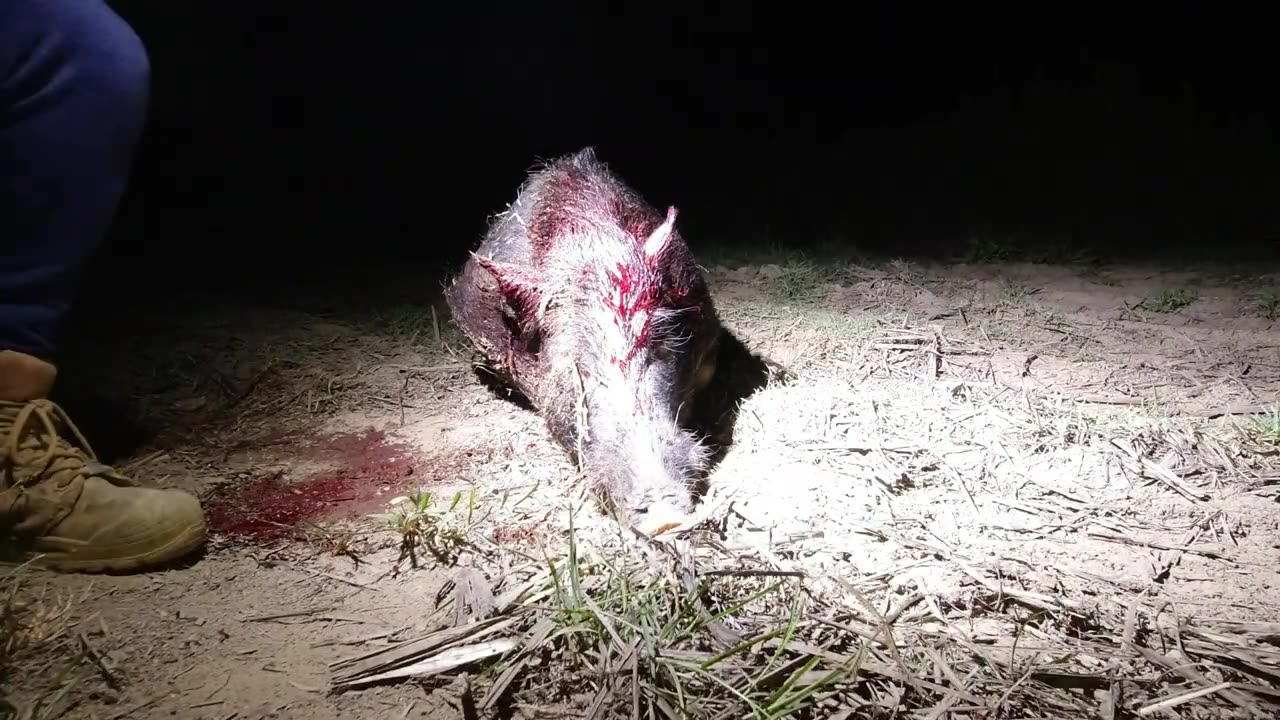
{"points": [[952, 431]]}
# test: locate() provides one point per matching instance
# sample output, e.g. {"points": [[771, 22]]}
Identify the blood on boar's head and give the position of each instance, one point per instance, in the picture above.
{"points": [[626, 333]]}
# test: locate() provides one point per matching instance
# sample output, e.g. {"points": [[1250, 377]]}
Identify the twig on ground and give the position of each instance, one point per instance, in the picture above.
{"points": [[1160, 473]]}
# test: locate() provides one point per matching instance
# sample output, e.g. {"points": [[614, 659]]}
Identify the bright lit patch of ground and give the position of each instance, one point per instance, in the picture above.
{"points": [[994, 491]]}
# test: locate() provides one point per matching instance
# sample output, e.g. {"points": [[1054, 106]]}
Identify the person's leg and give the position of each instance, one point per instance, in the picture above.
{"points": [[74, 84]]}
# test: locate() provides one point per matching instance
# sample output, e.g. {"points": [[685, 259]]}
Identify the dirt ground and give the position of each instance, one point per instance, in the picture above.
{"points": [[1078, 439]]}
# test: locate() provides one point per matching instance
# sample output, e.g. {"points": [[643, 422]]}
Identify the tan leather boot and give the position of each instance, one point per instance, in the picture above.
{"points": [[62, 509]]}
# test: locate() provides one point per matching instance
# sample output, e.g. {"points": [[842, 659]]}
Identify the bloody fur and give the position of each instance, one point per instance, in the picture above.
{"points": [[582, 295]]}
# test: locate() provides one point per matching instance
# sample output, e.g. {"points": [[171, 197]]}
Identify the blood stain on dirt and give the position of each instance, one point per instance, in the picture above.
{"points": [[269, 507]]}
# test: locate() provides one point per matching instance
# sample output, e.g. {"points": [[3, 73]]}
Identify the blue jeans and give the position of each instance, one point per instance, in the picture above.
{"points": [[74, 86]]}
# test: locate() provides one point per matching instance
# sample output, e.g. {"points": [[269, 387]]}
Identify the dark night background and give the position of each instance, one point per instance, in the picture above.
{"points": [[291, 138]]}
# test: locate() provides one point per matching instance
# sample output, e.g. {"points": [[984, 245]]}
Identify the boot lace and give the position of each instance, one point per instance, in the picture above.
{"points": [[35, 446]]}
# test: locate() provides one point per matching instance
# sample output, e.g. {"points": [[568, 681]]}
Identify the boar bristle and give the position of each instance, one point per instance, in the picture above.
{"points": [[518, 287]]}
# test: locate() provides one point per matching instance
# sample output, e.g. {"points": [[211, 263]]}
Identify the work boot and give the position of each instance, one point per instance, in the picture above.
{"points": [[62, 509]]}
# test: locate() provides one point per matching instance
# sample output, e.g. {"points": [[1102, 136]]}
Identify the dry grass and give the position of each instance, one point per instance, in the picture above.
{"points": [[1263, 431], [697, 629], [716, 626], [36, 627], [627, 631], [970, 502], [953, 593]]}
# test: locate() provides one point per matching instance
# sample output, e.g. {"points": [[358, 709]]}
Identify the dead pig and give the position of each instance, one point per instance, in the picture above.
{"points": [[586, 300]]}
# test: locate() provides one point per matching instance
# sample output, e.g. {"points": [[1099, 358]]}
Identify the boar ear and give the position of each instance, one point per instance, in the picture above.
{"points": [[661, 235], [517, 285]]}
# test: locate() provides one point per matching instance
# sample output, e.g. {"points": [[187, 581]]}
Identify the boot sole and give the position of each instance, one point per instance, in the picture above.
{"points": [[121, 559]]}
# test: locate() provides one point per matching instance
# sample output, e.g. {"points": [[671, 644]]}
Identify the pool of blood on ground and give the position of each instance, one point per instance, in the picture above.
{"points": [[269, 506]]}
